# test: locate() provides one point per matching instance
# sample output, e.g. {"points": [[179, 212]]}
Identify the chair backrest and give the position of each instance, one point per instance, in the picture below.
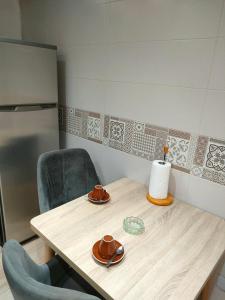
{"points": [[29, 281], [64, 175]]}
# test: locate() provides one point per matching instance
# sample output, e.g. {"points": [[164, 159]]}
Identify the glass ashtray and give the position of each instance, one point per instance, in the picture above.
{"points": [[133, 225]]}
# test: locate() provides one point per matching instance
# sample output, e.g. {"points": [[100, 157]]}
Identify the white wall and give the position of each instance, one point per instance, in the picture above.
{"points": [[10, 19], [133, 59]]}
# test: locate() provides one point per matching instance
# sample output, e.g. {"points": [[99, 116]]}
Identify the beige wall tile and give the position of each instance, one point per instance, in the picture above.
{"points": [[206, 195], [87, 94], [217, 80], [156, 104], [213, 120], [86, 62], [178, 63], [142, 20], [179, 184], [222, 26], [10, 19]]}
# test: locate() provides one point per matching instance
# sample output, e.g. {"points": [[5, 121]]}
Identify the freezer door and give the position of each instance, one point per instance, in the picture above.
{"points": [[28, 74], [24, 134]]}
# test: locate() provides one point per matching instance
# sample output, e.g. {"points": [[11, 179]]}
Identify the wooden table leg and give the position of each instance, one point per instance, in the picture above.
{"points": [[48, 253], [207, 290]]}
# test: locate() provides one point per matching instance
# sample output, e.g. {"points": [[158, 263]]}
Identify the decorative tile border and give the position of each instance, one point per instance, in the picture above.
{"points": [[196, 155]]}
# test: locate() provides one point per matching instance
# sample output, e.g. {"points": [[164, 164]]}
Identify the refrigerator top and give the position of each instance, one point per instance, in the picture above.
{"points": [[28, 43]]}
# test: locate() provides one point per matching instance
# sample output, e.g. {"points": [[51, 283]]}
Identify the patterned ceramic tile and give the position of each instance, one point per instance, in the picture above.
{"points": [[141, 154], [185, 170], [94, 128], [160, 143], [149, 130], [139, 127], [69, 120], [215, 158], [117, 130], [213, 176], [178, 151], [105, 141], [200, 152], [143, 142], [157, 128], [191, 151], [179, 134], [197, 155], [196, 170], [222, 142], [121, 138], [106, 126], [129, 129], [60, 117]]}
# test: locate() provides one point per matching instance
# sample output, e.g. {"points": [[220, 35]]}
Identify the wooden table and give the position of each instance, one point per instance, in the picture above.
{"points": [[173, 259]]}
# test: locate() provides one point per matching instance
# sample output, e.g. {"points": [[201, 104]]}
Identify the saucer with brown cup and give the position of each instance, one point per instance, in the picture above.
{"points": [[104, 249], [98, 195]]}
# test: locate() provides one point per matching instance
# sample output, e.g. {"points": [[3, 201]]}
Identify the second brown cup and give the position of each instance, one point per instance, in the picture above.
{"points": [[98, 192], [107, 247]]}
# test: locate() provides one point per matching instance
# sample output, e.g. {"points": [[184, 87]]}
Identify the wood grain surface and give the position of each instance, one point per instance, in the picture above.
{"points": [[172, 259]]}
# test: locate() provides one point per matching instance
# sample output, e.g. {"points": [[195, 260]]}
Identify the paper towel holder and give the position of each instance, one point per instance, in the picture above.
{"points": [[161, 202]]}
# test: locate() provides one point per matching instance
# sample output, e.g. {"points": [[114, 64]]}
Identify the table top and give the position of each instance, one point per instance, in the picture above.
{"points": [[172, 259]]}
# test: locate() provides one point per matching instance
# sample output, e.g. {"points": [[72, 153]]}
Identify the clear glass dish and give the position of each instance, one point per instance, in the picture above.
{"points": [[133, 225]]}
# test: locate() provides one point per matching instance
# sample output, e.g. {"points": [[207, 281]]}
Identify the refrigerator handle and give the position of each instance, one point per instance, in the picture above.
{"points": [[19, 108], [28, 108]]}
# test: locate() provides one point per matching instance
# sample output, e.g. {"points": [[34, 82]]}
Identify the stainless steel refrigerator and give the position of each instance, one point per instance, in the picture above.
{"points": [[28, 127]]}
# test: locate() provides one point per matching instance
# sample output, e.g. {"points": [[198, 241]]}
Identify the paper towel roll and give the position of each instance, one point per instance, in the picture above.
{"points": [[159, 179]]}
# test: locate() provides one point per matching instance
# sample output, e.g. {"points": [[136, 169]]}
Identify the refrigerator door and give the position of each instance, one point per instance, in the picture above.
{"points": [[28, 74], [25, 133]]}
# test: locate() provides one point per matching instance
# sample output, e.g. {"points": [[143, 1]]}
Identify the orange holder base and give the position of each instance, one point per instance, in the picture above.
{"points": [[161, 202]]}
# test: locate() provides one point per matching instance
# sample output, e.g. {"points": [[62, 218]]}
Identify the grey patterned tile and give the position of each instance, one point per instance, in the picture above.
{"points": [[160, 143], [213, 176], [215, 157], [191, 151], [196, 155], [185, 170], [106, 126], [141, 154], [121, 136], [129, 129], [105, 141], [69, 119], [179, 134], [222, 142], [94, 127], [178, 151], [60, 117], [149, 130], [117, 130], [139, 127], [200, 152], [162, 134], [157, 128], [196, 170], [143, 142], [94, 115]]}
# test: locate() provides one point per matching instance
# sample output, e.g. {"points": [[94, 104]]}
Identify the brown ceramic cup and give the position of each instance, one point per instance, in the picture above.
{"points": [[98, 192], [107, 247]]}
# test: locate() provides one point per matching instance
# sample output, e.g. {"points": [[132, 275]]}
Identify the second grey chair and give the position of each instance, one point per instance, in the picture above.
{"points": [[29, 281], [64, 175]]}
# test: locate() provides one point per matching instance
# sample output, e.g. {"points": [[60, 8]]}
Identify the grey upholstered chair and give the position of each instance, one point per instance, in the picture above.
{"points": [[29, 281], [64, 175]]}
